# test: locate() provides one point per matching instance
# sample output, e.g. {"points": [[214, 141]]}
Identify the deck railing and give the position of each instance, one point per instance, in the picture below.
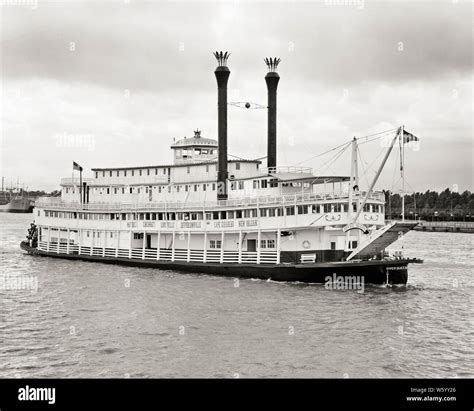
{"points": [[260, 201], [163, 254]]}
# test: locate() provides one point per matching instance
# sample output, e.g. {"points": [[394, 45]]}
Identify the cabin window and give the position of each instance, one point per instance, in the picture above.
{"points": [[125, 173], [208, 216], [327, 208], [353, 244], [214, 187], [267, 243], [230, 214], [314, 209], [111, 235], [303, 209], [204, 187], [253, 212], [188, 169], [246, 213], [96, 174], [271, 212], [133, 173], [238, 214], [237, 166], [131, 190], [223, 215], [103, 173], [274, 182], [241, 185], [138, 236], [215, 215], [367, 208], [124, 216], [263, 212], [118, 173], [196, 187], [148, 171], [264, 183], [333, 245], [207, 168], [337, 208], [164, 171], [108, 190], [290, 210], [255, 184], [215, 244], [138, 190]]}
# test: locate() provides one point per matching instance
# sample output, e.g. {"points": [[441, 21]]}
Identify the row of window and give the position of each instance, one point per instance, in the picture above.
{"points": [[147, 171], [185, 153], [215, 215], [217, 244], [233, 185]]}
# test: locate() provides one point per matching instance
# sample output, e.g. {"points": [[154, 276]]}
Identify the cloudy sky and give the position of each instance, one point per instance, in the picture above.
{"points": [[112, 83]]}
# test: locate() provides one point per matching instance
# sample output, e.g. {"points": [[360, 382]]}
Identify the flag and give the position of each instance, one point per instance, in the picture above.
{"points": [[76, 166], [407, 137]]}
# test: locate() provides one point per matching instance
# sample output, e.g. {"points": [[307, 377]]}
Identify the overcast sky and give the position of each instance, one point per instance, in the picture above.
{"points": [[112, 83]]}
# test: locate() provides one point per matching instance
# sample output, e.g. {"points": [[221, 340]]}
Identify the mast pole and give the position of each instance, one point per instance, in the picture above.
{"points": [[361, 206], [351, 186], [402, 155]]}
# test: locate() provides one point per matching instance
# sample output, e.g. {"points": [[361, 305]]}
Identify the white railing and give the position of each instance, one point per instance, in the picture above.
{"points": [[165, 254], [238, 202], [276, 170], [75, 181]]}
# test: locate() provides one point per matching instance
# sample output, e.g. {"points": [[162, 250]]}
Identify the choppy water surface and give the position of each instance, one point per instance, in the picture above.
{"points": [[99, 320]]}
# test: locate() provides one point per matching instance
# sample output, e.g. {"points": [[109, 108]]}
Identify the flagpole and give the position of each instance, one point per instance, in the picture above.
{"points": [[80, 183], [403, 172]]}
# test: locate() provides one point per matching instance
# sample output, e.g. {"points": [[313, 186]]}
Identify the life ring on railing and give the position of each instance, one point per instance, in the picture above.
{"points": [[306, 244]]}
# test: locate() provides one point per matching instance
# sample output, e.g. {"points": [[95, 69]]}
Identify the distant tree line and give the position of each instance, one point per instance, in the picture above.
{"points": [[433, 206]]}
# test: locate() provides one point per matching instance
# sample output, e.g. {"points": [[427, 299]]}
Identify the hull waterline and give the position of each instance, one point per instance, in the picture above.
{"points": [[369, 272]]}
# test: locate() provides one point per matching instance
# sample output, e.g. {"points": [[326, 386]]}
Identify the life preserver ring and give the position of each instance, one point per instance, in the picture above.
{"points": [[306, 244]]}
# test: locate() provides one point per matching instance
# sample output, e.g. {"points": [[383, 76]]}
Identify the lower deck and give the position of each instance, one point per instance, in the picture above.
{"points": [[353, 272]]}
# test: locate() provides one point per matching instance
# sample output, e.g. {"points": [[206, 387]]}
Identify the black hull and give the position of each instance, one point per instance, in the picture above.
{"points": [[368, 272]]}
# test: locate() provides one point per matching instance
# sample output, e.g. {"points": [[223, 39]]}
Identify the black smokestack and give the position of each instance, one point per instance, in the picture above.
{"points": [[222, 76], [272, 78]]}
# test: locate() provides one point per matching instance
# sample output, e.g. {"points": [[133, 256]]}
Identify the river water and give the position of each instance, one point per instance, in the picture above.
{"points": [[79, 319]]}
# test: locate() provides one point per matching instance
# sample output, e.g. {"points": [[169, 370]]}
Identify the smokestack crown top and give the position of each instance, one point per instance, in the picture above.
{"points": [[272, 64], [222, 58]]}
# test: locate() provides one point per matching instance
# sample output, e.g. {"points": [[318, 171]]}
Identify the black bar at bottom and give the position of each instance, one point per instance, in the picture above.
{"points": [[137, 394]]}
